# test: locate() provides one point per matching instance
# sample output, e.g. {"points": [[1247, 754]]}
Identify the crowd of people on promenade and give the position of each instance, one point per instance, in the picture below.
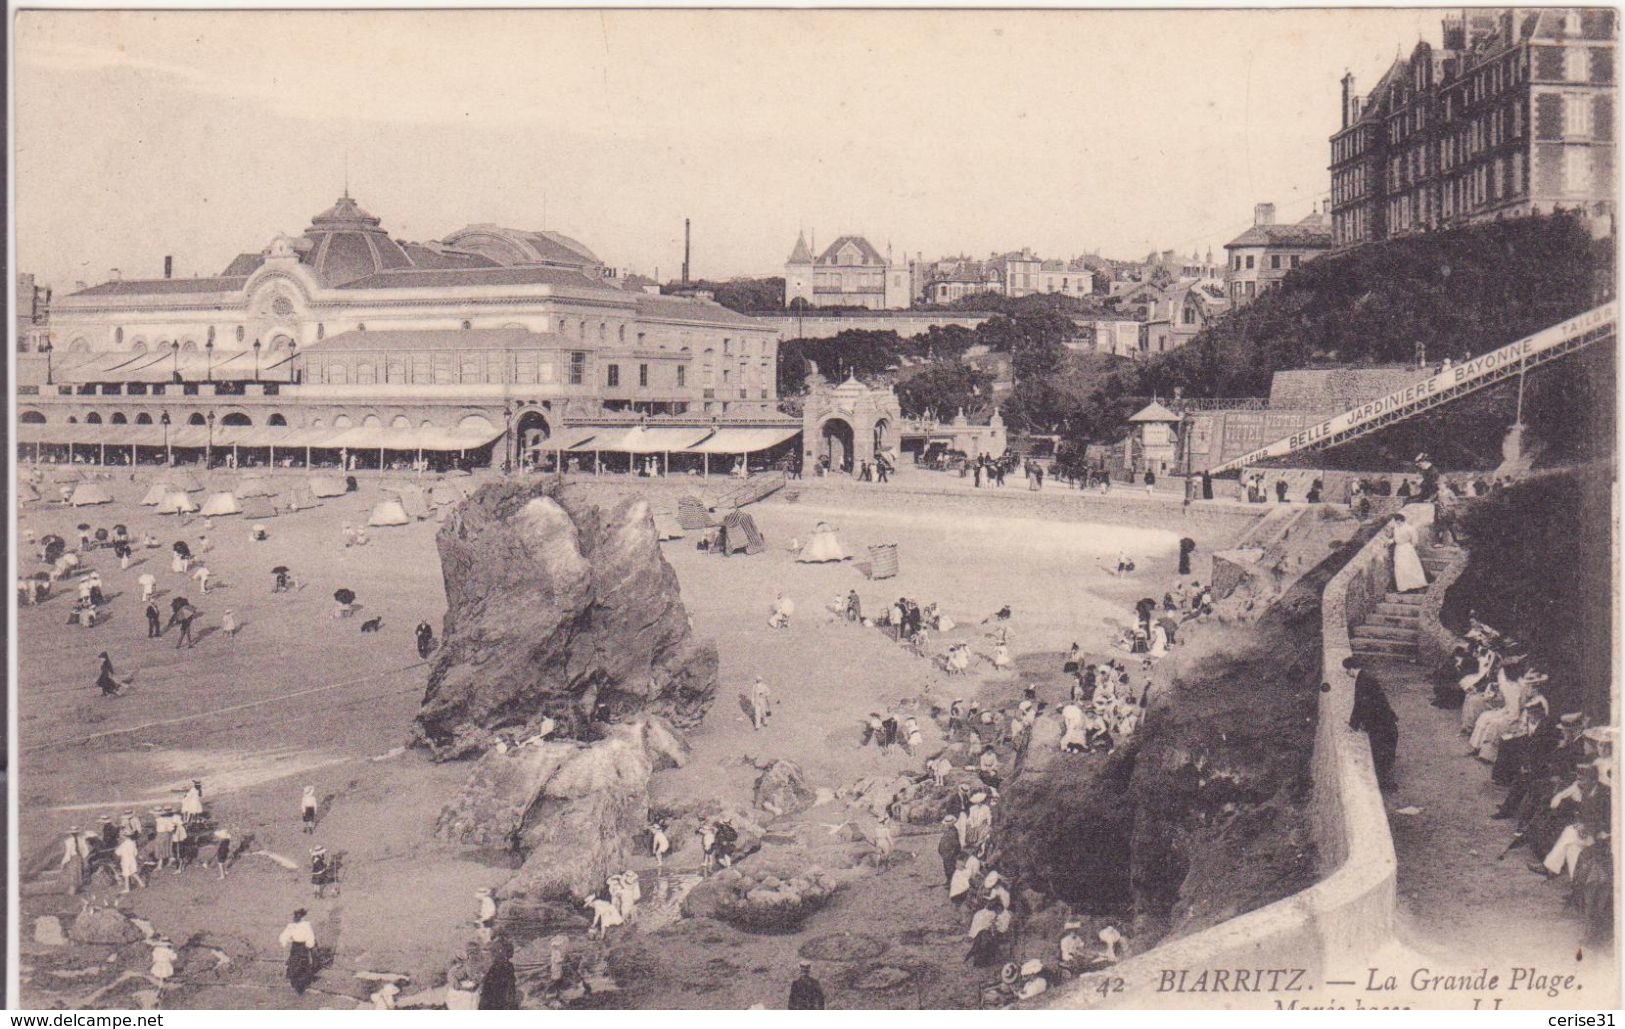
{"points": [[1557, 768]]}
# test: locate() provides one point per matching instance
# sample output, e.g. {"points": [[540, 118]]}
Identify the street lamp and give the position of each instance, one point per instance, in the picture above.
{"points": [[208, 357], [507, 431], [169, 456], [208, 449], [175, 346], [45, 348], [256, 360], [293, 351]]}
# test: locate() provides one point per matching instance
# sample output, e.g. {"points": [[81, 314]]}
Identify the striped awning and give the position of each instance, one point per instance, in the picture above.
{"points": [[182, 436]]}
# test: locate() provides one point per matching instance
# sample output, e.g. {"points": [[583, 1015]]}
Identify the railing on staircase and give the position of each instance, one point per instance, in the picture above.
{"points": [[1549, 344]]}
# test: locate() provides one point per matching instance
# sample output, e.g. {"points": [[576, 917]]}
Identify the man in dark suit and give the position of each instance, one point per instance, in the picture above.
{"points": [[805, 993], [1373, 716]]}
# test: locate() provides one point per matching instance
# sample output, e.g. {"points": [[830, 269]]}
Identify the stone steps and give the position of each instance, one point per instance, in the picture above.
{"points": [[1407, 599], [1366, 646], [1400, 621], [1409, 612], [1384, 632]]}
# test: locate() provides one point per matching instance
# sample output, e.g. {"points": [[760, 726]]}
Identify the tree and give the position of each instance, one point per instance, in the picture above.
{"points": [[942, 389]]}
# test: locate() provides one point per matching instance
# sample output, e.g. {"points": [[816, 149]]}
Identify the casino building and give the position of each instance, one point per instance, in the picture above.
{"points": [[490, 346]]}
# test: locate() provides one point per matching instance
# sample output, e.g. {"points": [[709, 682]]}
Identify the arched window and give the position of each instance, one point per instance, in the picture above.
{"points": [[321, 331], [276, 419], [79, 346], [196, 419], [118, 418], [118, 335], [93, 418], [239, 333], [31, 418], [72, 420], [621, 332], [143, 419], [139, 347], [400, 421], [372, 421], [343, 422], [236, 418], [189, 347]]}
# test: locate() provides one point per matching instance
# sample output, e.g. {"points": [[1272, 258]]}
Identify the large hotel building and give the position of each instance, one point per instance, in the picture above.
{"points": [[492, 345], [1513, 115]]}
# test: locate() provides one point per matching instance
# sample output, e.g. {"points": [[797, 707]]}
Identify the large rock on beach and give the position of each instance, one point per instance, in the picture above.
{"points": [[557, 606], [574, 809], [103, 926], [782, 789]]}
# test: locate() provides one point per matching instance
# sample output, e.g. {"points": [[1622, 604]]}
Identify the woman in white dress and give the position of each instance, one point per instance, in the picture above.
{"points": [[1491, 724], [822, 546], [1408, 573]]}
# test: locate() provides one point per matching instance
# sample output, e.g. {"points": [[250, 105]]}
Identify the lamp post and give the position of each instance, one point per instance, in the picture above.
{"points": [[45, 348], [293, 352], [175, 347], [169, 456], [208, 357], [208, 448], [507, 432], [256, 360]]}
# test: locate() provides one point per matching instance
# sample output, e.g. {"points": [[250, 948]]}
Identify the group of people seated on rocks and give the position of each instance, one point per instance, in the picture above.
{"points": [[1155, 628], [614, 905], [1557, 768], [1102, 710]]}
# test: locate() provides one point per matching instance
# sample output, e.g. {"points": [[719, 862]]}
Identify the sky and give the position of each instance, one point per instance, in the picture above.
{"points": [[203, 135]]}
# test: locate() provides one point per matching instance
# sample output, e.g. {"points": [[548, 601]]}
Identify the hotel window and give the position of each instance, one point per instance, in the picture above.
{"points": [[1296, 260], [1576, 115], [1571, 23], [1576, 169], [582, 331], [239, 333], [1275, 262], [118, 336], [682, 376], [620, 333], [578, 367], [612, 375], [470, 369], [603, 331], [643, 375], [1249, 261]]}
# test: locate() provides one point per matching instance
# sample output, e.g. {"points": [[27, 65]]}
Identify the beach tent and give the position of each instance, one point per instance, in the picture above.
{"points": [[691, 513], [446, 493], [176, 502], [254, 487], [89, 493], [823, 546], [301, 499], [221, 504], [739, 532], [156, 493], [259, 507], [667, 527], [388, 512], [413, 501], [327, 486]]}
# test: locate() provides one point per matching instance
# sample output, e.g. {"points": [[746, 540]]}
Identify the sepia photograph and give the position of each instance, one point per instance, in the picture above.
{"points": [[928, 509]]}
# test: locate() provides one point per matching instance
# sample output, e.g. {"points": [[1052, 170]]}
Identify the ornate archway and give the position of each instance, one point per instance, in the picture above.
{"points": [[835, 444]]}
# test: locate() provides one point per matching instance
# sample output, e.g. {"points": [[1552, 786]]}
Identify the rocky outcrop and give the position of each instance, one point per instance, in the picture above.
{"points": [[1202, 815], [769, 894], [574, 809], [557, 608]]}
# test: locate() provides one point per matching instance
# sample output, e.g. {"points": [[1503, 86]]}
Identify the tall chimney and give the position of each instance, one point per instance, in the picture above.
{"points": [[1348, 98], [1263, 214], [169, 267], [685, 251]]}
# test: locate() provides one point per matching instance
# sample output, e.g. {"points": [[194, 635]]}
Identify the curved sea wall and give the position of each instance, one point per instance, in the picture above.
{"points": [[1331, 928]]}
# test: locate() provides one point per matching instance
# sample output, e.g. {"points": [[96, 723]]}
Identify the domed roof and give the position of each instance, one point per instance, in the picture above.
{"points": [[347, 244]]}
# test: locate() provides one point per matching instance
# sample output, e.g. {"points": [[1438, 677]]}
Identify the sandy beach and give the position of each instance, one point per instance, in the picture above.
{"points": [[297, 697]]}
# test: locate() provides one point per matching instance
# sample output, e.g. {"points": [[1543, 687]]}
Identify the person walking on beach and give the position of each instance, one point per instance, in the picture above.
{"points": [[299, 940], [129, 862], [106, 681], [307, 809], [761, 703], [202, 577], [183, 616], [154, 623]]}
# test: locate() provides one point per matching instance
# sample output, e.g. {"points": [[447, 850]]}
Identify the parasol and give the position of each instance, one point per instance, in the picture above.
{"points": [[42, 576], [101, 535], [121, 530], [177, 604], [280, 570], [83, 526], [344, 596], [46, 541]]}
